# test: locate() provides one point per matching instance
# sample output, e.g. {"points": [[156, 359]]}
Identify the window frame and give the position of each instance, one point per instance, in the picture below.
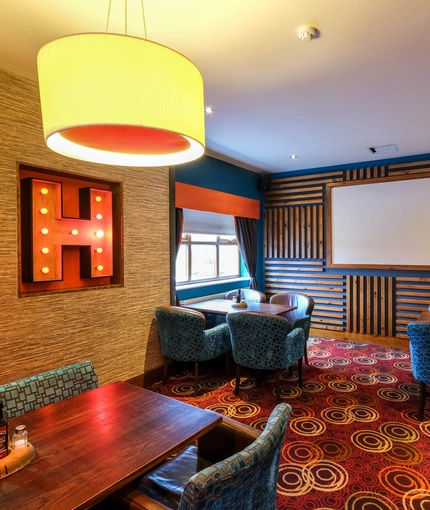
{"points": [[188, 242]]}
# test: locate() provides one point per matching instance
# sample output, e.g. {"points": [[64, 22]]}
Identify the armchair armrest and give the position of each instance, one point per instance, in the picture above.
{"points": [[302, 322]]}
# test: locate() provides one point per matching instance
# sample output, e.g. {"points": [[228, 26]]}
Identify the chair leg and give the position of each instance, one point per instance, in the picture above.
{"points": [[306, 354], [299, 369], [236, 389], [196, 378], [278, 386], [422, 401], [165, 370]]}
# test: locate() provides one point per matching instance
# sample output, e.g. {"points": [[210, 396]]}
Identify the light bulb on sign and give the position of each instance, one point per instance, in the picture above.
{"points": [[99, 250], [100, 268], [75, 232], [44, 191], [45, 270], [44, 210], [45, 250], [98, 199], [44, 230], [99, 216], [99, 233]]}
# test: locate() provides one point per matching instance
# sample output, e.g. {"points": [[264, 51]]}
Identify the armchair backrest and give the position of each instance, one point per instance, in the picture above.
{"points": [[303, 302], [250, 295], [181, 332], [419, 336], [264, 341], [244, 480]]}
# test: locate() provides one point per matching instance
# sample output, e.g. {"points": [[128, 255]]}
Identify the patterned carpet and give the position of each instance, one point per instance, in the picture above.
{"points": [[353, 441]]}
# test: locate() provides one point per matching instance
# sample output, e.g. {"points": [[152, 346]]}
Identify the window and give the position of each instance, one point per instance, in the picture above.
{"points": [[205, 257]]}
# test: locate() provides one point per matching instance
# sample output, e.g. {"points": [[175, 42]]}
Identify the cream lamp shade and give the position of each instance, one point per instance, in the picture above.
{"points": [[120, 100]]}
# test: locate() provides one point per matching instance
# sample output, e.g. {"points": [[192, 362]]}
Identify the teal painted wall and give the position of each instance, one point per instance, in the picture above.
{"points": [[211, 173]]}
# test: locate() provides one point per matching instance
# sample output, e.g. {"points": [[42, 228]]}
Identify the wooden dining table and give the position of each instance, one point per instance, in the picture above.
{"points": [[90, 445], [225, 306]]}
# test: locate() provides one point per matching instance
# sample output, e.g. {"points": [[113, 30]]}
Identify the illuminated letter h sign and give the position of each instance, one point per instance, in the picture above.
{"points": [[45, 231]]}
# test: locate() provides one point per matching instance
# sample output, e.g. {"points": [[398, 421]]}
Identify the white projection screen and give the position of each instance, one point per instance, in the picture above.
{"points": [[379, 224]]}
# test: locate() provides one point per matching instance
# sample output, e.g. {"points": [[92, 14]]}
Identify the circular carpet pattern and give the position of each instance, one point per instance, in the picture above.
{"points": [[353, 441]]}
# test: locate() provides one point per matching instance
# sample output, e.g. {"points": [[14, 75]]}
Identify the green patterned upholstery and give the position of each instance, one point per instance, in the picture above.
{"points": [[304, 307], [246, 480], [250, 296], [36, 391], [419, 336], [265, 342], [183, 337]]}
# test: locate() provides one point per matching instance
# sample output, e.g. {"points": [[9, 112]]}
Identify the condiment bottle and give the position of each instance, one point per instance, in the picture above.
{"points": [[4, 437], [20, 437], [238, 296]]}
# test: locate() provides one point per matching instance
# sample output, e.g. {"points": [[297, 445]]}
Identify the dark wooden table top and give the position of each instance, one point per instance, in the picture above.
{"points": [[224, 306], [90, 445]]}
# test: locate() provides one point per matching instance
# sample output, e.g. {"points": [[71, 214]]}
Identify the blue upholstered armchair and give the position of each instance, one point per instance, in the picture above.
{"points": [[245, 480], [419, 336], [300, 317], [183, 338], [250, 295], [265, 342]]}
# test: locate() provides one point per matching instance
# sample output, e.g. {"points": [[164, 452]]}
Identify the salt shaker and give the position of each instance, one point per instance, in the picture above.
{"points": [[20, 437]]}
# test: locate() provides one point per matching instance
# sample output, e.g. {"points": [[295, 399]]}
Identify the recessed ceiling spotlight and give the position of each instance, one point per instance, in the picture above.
{"points": [[293, 156], [208, 109]]}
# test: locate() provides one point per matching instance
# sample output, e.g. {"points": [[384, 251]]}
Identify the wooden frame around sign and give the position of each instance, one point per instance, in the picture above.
{"points": [[413, 225]]}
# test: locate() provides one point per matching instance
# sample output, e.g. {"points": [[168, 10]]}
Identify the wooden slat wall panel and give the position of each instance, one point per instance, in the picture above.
{"points": [[365, 173], [371, 305], [293, 265], [328, 291], [408, 168], [295, 258], [294, 232], [299, 190], [412, 298]]}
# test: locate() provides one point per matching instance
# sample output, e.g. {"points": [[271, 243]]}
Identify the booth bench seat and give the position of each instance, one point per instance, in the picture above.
{"points": [[37, 391]]}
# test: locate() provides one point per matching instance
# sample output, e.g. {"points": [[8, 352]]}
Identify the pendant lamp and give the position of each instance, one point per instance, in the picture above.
{"points": [[120, 100]]}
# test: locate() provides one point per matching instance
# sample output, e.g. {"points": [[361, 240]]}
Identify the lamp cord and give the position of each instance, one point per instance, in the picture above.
{"points": [[144, 20], [125, 18], [108, 16]]}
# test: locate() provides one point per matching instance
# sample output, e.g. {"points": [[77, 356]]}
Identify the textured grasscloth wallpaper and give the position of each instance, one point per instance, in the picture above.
{"points": [[112, 327]]}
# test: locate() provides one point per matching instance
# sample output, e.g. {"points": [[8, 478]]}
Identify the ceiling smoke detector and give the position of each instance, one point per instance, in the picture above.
{"points": [[307, 33]]}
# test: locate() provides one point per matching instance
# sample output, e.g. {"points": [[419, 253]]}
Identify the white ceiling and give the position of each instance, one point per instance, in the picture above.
{"points": [[364, 81]]}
